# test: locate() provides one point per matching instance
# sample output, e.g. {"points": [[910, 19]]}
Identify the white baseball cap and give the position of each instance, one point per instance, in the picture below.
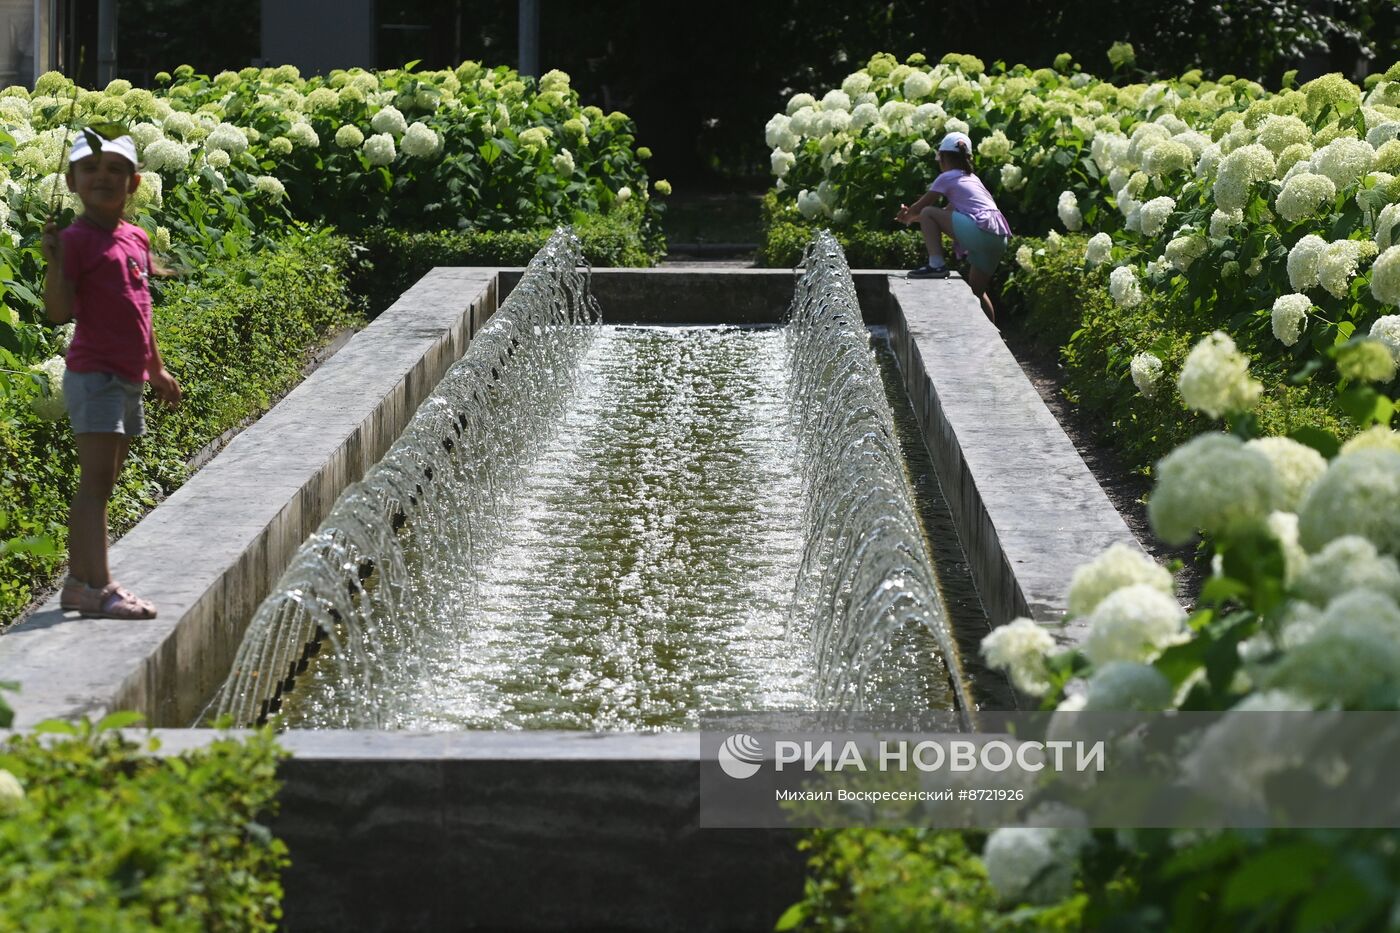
{"points": [[123, 146], [955, 141]]}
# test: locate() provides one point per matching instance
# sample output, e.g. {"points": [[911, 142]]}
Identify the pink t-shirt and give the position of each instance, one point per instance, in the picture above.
{"points": [[967, 195], [109, 270]]}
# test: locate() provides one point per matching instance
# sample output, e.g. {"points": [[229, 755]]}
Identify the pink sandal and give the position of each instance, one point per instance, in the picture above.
{"points": [[113, 602]]}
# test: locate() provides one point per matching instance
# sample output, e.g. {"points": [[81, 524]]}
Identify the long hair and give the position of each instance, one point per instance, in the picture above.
{"points": [[959, 158]]}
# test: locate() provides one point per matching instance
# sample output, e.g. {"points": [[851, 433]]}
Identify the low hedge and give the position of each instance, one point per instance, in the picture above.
{"points": [[394, 259], [1061, 304], [98, 833], [237, 337], [784, 238]]}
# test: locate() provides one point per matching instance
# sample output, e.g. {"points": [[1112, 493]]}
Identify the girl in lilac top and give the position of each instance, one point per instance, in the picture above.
{"points": [[971, 218]]}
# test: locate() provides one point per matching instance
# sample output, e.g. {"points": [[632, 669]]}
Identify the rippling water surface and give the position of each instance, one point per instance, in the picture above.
{"points": [[648, 560]]}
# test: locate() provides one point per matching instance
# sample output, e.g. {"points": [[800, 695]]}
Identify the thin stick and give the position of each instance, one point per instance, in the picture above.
{"points": [[54, 199]]}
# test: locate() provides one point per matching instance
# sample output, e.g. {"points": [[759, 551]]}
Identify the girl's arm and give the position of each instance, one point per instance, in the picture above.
{"points": [[58, 288], [908, 213], [166, 387]]}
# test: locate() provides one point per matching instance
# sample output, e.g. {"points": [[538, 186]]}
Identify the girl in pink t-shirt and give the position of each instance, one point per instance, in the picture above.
{"points": [[971, 219], [98, 273]]}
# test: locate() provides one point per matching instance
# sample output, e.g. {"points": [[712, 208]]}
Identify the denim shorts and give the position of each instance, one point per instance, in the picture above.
{"points": [[984, 248], [103, 403]]}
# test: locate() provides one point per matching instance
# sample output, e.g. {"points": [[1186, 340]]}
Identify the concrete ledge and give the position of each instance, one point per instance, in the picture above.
{"points": [[1026, 506], [209, 554]]}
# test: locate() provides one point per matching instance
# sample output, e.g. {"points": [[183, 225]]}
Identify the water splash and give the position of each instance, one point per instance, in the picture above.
{"points": [[348, 586], [867, 587]]}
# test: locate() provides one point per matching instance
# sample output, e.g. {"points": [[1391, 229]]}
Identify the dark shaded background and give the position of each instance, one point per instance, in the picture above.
{"points": [[701, 79]]}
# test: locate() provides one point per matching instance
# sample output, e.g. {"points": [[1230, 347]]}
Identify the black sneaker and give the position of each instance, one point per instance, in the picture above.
{"points": [[929, 271]]}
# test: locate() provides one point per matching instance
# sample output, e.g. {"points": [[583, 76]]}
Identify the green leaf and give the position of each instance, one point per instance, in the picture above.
{"points": [[1275, 876], [792, 917], [119, 720], [56, 727], [1319, 439], [1365, 406]]}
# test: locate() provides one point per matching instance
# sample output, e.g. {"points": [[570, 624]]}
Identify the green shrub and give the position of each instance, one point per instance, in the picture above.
{"points": [[785, 234], [397, 258], [1065, 306], [237, 337], [110, 837], [910, 880]]}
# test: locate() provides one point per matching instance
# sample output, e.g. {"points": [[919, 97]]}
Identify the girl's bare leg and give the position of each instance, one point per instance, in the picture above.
{"points": [[979, 281], [100, 458], [934, 222]]}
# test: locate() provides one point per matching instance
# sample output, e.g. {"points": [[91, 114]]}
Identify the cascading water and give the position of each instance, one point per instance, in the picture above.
{"points": [[445, 477], [617, 528], [866, 593]]}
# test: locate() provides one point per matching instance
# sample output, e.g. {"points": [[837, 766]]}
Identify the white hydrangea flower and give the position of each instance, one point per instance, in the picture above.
{"points": [[804, 122], [304, 135], [1097, 250], [1385, 277], [1304, 195], [1222, 221], [217, 158], [1350, 656], [864, 115], [1344, 160], [1237, 756], [1238, 172], [1382, 133], [798, 101], [856, 83], [1347, 563], [1012, 177], [1289, 316], [1169, 157], [995, 149], [379, 149], [1386, 329], [1208, 165], [1278, 132], [1119, 566], [227, 138], [1020, 647], [1068, 209], [624, 194], [919, 84], [389, 120], [782, 162], [1357, 495], [1212, 483], [1184, 250], [836, 100], [1146, 370], [954, 125], [1133, 623], [1296, 158], [1296, 467], [534, 137], [183, 125], [1376, 437], [269, 187], [1120, 686], [349, 137], [920, 147], [563, 161], [1031, 864], [11, 791], [166, 155], [1215, 378], [50, 407], [778, 131], [420, 142], [1155, 214], [1123, 287], [1337, 265], [1303, 260]]}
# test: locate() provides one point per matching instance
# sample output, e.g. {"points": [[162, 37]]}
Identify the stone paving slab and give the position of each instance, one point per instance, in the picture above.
{"points": [[208, 554]]}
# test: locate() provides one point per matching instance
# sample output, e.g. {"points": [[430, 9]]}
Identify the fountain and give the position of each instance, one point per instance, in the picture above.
{"points": [[617, 528]]}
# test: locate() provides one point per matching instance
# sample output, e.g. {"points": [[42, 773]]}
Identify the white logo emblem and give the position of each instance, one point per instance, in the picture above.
{"points": [[740, 756]]}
